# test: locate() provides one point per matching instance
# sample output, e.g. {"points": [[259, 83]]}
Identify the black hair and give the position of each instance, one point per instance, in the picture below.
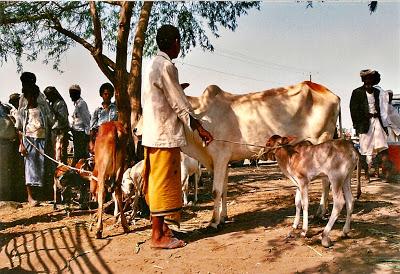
{"points": [[75, 91], [27, 78], [52, 92], [166, 36], [107, 86]]}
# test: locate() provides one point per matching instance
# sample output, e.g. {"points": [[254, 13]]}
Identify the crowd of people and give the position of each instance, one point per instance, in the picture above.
{"points": [[44, 125]]}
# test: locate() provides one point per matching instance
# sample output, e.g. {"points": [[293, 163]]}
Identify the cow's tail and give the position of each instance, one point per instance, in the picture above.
{"points": [[341, 135]]}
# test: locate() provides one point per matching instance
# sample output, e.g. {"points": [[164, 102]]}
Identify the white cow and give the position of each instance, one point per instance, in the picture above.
{"points": [[240, 124], [132, 181], [131, 187], [189, 167]]}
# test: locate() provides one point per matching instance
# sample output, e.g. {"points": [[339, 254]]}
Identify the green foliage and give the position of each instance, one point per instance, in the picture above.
{"points": [[28, 29]]}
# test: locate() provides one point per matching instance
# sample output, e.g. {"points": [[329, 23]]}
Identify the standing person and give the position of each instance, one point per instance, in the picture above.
{"points": [[393, 120], [14, 101], [28, 79], [59, 132], [106, 112], [166, 111], [366, 116], [80, 124], [33, 123]]}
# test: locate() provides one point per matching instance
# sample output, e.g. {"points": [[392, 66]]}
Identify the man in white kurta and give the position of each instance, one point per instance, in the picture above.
{"points": [[365, 109]]}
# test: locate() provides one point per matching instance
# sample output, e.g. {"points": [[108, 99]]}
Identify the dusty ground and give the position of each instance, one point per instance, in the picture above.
{"points": [[261, 209]]}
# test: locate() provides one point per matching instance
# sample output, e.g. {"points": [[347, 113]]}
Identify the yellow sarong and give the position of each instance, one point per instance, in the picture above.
{"points": [[162, 182]]}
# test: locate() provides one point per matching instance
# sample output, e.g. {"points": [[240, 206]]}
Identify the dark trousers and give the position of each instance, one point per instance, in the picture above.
{"points": [[81, 141]]}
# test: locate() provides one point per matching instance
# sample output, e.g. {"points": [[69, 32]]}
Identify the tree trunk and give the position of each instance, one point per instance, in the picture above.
{"points": [[121, 75], [134, 80]]}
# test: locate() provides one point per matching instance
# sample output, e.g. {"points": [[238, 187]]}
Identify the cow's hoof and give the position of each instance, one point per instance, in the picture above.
{"points": [[291, 234], [216, 227], [345, 235], [304, 233], [326, 242], [126, 230], [99, 234]]}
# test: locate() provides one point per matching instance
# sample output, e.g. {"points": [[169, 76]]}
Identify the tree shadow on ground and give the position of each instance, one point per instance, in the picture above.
{"points": [[42, 251]]}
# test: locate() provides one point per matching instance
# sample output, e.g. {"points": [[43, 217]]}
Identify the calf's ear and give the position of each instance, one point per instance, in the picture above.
{"points": [[290, 139]]}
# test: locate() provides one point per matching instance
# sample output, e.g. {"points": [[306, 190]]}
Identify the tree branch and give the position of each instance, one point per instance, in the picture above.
{"points": [[106, 65], [114, 3], [98, 42]]}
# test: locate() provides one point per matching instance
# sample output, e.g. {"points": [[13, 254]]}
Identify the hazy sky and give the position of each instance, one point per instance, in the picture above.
{"points": [[277, 46]]}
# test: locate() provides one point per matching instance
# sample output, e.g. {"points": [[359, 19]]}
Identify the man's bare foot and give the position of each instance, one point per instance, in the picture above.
{"points": [[33, 203], [167, 243], [167, 231]]}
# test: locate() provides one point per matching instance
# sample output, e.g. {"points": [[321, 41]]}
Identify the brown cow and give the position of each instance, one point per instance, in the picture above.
{"points": [[110, 152], [301, 163]]}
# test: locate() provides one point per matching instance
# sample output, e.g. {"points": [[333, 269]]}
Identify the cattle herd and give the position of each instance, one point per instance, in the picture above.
{"points": [[244, 127]]}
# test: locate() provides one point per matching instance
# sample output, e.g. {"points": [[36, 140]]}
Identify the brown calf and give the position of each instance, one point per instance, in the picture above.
{"points": [[110, 152], [301, 163]]}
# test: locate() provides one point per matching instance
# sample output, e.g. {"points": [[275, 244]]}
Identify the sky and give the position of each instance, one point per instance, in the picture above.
{"points": [[281, 44]]}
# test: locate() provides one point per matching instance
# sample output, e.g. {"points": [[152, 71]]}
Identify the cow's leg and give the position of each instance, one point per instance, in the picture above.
{"points": [[323, 204], [55, 194], [219, 188], [116, 209], [224, 212], [196, 184], [359, 166], [118, 198], [297, 202], [135, 201], [100, 200], [348, 197], [338, 203], [185, 188]]}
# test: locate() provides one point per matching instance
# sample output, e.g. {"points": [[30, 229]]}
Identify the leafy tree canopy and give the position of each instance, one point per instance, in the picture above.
{"points": [[51, 28]]}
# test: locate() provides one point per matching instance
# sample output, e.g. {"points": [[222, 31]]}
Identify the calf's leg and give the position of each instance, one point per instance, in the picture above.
{"points": [[323, 204], [338, 203], [100, 200], [348, 197], [118, 198], [304, 203], [297, 202]]}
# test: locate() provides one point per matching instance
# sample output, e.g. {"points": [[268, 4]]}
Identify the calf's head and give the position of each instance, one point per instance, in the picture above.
{"points": [[276, 141]]}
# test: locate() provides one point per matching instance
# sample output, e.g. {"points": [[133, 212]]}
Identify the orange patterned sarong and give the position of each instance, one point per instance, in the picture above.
{"points": [[162, 182]]}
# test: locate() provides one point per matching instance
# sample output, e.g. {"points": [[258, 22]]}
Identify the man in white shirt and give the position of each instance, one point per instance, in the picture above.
{"points": [[80, 124], [166, 112]]}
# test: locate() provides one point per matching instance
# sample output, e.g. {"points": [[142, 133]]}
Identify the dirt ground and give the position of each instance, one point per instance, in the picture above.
{"points": [[261, 210]]}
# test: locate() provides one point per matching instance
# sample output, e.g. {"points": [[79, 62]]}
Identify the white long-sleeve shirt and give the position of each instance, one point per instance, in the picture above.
{"points": [[165, 106], [81, 117]]}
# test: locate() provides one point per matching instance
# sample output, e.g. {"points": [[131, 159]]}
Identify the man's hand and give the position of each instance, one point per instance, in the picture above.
{"points": [[205, 135], [22, 150]]}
